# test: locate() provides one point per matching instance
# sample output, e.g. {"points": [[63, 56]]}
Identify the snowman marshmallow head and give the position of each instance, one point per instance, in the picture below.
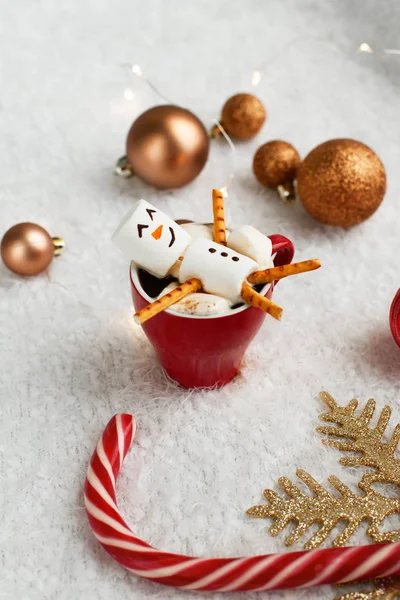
{"points": [[151, 239]]}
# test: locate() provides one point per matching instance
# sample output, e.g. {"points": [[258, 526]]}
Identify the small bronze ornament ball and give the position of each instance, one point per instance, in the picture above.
{"points": [[242, 116], [275, 163], [341, 182], [27, 248], [167, 146]]}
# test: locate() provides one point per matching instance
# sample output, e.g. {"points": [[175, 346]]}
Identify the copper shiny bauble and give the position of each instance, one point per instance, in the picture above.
{"points": [[276, 163], [27, 249], [341, 182], [167, 146], [242, 116]]}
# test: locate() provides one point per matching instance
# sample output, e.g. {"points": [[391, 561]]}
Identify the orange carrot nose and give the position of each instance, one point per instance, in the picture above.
{"points": [[157, 232]]}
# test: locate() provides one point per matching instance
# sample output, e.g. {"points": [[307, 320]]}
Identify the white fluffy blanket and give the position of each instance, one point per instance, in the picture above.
{"points": [[71, 356]]}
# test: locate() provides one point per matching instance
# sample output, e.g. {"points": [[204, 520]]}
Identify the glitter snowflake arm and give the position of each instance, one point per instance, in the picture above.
{"points": [[325, 509], [356, 436], [385, 589]]}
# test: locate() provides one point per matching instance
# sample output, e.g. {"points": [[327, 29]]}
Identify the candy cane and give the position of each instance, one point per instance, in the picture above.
{"points": [[271, 571]]}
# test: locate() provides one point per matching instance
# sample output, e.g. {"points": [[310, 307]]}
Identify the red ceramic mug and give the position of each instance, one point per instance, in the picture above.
{"points": [[201, 352]]}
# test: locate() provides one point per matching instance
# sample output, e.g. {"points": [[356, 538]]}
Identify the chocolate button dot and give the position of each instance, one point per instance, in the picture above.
{"points": [[224, 254], [235, 258], [212, 250]]}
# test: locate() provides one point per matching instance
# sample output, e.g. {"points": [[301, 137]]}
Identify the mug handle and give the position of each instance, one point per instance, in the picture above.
{"points": [[283, 248]]}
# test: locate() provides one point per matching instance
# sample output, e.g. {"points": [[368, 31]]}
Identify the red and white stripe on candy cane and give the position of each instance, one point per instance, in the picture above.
{"points": [[266, 572]]}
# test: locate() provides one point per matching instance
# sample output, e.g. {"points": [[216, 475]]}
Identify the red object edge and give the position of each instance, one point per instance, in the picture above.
{"points": [[394, 318]]}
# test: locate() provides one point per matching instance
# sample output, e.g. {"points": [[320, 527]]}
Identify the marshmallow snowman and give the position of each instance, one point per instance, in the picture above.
{"points": [[151, 239], [221, 270], [156, 243]]}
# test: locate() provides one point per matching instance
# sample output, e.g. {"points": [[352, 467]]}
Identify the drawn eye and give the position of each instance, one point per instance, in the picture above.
{"points": [[172, 237], [140, 228], [150, 212]]}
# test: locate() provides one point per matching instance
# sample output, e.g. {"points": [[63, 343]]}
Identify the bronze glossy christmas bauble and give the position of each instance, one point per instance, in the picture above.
{"points": [[276, 163], [341, 182], [167, 146], [27, 249], [242, 116]]}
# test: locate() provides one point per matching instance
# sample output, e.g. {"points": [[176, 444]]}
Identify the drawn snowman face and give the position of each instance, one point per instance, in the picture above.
{"points": [[151, 239]]}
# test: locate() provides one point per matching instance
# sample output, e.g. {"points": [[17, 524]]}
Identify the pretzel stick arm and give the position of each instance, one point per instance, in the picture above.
{"points": [[219, 217], [270, 275], [252, 297], [151, 310]]}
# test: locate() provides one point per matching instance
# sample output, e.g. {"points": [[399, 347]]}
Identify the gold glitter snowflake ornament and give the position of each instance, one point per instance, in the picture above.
{"points": [[358, 437], [385, 589], [324, 508], [352, 434]]}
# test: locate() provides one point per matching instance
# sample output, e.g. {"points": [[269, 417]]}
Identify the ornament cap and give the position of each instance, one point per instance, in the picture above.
{"points": [[286, 192], [59, 245], [214, 132], [123, 168]]}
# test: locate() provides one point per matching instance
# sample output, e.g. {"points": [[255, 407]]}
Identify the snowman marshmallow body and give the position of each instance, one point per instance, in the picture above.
{"points": [[221, 270]]}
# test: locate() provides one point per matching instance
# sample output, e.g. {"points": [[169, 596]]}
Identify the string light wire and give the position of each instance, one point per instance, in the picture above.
{"points": [[137, 70]]}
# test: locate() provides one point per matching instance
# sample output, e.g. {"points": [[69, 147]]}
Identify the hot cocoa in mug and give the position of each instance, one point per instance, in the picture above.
{"points": [[202, 351], [192, 290]]}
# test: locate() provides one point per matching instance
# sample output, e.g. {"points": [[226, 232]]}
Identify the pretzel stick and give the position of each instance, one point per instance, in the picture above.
{"points": [[151, 310], [270, 275], [252, 297], [219, 217]]}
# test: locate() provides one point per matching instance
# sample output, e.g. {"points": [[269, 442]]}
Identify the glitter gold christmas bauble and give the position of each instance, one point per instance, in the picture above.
{"points": [[275, 163], [242, 116], [341, 182], [167, 146], [27, 248]]}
